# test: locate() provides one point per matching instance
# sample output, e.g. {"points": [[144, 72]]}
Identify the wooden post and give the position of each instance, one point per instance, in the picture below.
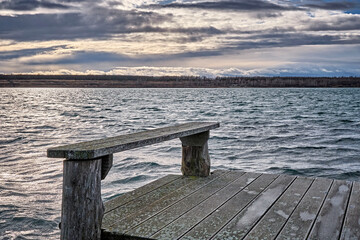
{"points": [[82, 206], [195, 155]]}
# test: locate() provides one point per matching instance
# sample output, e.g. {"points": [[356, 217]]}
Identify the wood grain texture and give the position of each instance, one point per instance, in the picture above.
{"points": [[142, 202], [218, 219], [246, 206], [107, 146], [158, 221], [328, 223], [82, 207], [239, 226], [351, 227], [270, 225], [301, 220], [193, 217]]}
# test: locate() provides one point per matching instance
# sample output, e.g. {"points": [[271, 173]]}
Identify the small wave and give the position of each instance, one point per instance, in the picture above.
{"points": [[8, 141], [134, 179], [43, 127]]}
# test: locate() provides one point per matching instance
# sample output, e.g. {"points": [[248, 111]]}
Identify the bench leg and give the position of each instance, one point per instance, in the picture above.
{"points": [[195, 155], [82, 207]]}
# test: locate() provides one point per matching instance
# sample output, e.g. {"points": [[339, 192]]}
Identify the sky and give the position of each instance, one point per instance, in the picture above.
{"points": [[181, 37]]}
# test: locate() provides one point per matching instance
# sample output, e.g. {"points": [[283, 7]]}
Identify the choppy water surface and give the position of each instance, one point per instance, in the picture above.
{"points": [[311, 132]]}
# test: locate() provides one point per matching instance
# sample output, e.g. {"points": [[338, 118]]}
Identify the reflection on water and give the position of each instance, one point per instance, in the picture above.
{"points": [[311, 132]]}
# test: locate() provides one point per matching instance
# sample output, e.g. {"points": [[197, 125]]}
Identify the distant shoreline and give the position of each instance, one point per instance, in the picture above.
{"points": [[122, 81]]}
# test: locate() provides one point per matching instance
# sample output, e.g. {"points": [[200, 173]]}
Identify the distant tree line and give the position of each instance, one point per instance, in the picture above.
{"points": [[131, 81]]}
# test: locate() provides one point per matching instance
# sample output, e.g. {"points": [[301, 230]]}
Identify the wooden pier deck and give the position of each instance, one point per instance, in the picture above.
{"points": [[199, 205], [236, 205]]}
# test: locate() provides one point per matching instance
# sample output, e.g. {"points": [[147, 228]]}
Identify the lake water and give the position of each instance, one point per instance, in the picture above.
{"points": [[309, 132]]}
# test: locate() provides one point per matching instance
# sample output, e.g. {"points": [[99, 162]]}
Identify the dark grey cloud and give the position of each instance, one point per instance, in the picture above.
{"points": [[341, 5], [96, 23], [339, 24], [8, 55], [234, 5], [28, 5]]}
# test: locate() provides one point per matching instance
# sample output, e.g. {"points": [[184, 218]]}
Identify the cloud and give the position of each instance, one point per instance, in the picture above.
{"points": [[337, 24], [341, 5], [234, 5], [28, 5]]}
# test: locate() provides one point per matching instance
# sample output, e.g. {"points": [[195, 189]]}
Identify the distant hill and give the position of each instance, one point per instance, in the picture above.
{"points": [[117, 81]]}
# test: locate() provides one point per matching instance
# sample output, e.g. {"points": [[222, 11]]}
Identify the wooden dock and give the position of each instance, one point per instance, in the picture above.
{"points": [[199, 205], [236, 205]]}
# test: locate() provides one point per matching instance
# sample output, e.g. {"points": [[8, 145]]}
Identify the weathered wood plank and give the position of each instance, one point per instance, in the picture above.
{"points": [[107, 146], [186, 221], [269, 226], [197, 190], [301, 220], [351, 228], [129, 196], [152, 225], [195, 155], [238, 227], [328, 224], [164, 192], [82, 207], [213, 223]]}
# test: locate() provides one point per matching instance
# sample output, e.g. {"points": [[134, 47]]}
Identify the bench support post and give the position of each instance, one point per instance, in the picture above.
{"points": [[82, 206], [195, 155]]}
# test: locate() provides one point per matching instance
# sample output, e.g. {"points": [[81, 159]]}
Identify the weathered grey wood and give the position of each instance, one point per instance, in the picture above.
{"points": [[195, 155], [202, 195], [328, 224], [187, 220], [238, 227], [107, 146], [82, 207], [270, 225], [171, 189], [129, 196], [351, 228], [106, 164], [214, 222], [301, 220], [152, 208]]}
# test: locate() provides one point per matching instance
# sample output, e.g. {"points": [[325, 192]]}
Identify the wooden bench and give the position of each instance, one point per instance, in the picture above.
{"points": [[87, 163], [223, 205]]}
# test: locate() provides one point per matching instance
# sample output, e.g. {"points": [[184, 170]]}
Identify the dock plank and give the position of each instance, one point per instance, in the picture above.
{"points": [[129, 196], [139, 203], [202, 188], [329, 221], [152, 225], [301, 220], [145, 209], [213, 223], [351, 228], [186, 221], [238, 227], [237, 205], [271, 224]]}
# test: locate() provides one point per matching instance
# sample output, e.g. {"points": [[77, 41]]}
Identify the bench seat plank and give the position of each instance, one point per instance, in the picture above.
{"points": [[108, 146]]}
